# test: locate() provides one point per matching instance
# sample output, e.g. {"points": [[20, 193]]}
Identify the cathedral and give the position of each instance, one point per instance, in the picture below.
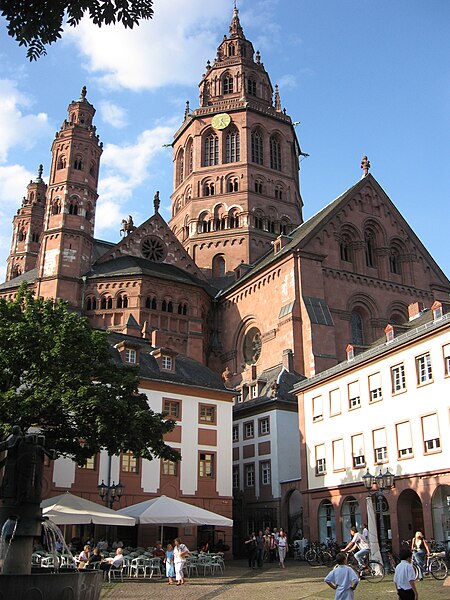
{"points": [[237, 280]]}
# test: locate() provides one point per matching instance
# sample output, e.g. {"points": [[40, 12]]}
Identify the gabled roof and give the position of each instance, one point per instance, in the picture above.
{"points": [[29, 277]]}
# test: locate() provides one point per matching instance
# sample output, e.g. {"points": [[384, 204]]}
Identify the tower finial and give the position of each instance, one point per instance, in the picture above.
{"points": [[365, 165], [277, 99], [186, 110], [235, 25], [83, 93], [156, 202], [40, 171]]}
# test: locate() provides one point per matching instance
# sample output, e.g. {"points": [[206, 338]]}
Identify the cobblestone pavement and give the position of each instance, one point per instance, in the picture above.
{"points": [[298, 581]]}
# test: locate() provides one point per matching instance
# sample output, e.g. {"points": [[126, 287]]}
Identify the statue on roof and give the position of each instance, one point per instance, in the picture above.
{"points": [[365, 165], [156, 202], [127, 226]]}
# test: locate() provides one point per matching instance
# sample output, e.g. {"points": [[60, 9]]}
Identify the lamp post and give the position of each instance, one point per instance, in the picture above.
{"points": [[383, 482], [110, 493]]}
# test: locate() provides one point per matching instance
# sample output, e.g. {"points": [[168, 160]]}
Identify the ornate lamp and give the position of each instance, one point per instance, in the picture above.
{"points": [[368, 480]]}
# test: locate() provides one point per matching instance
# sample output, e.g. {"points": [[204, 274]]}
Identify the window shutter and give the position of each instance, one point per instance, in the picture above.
{"points": [[320, 451], [353, 389], [446, 350], [338, 455], [379, 438], [358, 445], [335, 402], [404, 436], [317, 407], [430, 427], [374, 381]]}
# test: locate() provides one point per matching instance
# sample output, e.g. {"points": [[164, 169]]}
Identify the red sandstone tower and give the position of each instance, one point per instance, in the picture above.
{"points": [[66, 247], [27, 229], [236, 181]]}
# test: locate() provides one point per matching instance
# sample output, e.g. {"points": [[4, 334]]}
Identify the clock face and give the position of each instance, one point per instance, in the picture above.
{"points": [[221, 121]]}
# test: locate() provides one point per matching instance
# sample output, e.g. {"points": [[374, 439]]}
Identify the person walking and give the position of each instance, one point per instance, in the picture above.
{"points": [[180, 553], [342, 578], [420, 549], [170, 567], [260, 546], [250, 544], [282, 547], [405, 577]]}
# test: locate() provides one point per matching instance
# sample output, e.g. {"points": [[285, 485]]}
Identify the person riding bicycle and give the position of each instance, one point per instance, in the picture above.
{"points": [[420, 549], [358, 541]]}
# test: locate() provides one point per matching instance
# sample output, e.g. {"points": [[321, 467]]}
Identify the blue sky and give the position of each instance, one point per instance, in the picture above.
{"points": [[362, 77]]}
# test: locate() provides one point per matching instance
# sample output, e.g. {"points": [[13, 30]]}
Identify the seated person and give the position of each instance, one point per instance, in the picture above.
{"points": [[84, 557], [159, 550], [115, 562], [95, 557]]}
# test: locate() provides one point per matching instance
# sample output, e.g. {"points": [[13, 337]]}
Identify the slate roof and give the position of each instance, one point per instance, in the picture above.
{"points": [[30, 276], [188, 372]]}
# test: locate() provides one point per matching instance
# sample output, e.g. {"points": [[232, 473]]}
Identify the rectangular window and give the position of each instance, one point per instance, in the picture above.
{"points": [[321, 467], [129, 462], [375, 390], [423, 367], [235, 433], [317, 408], [206, 465], [169, 467], [446, 350], [404, 440], [130, 356], [380, 445], [236, 477], [358, 457], [335, 402], [398, 378], [431, 437], [354, 399], [338, 455], [249, 475], [167, 362], [207, 413], [90, 464], [249, 430], [254, 391], [264, 426], [172, 408], [265, 473]]}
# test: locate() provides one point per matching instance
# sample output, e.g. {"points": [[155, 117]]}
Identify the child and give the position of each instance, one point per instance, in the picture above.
{"points": [[343, 579], [170, 568]]}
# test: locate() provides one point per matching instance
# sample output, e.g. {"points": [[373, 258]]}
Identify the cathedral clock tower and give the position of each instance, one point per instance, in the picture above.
{"points": [[67, 242], [236, 179]]}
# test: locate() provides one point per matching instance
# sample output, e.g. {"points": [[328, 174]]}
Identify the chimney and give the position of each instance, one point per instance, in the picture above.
{"points": [[415, 310], [156, 338], [280, 243], [288, 360]]}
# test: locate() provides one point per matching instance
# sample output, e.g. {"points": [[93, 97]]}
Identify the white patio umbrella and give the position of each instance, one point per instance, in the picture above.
{"points": [[68, 509], [168, 511], [375, 553]]}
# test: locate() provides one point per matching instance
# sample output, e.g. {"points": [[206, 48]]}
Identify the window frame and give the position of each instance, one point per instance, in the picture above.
{"points": [[126, 463], [401, 378], [249, 469], [130, 356], [266, 472], [262, 430], [247, 436], [424, 370], [171, 402], [203, 408], [167, 466], [203, 464]]}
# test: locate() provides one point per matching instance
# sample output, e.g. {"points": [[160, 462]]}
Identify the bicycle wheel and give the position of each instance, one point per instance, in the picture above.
{"points": [[311, 557], [438, 568], [326, 558], [374, 572], [416, 570]]}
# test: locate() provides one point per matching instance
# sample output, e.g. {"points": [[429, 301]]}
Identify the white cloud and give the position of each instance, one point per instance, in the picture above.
{"points": [[17, 128], [286, 82], [114, 115], [167, 50], [124, 168]]}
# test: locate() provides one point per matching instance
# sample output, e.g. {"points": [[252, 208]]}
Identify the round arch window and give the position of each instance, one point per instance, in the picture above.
{"points": [[252, 345], [153, 249]]}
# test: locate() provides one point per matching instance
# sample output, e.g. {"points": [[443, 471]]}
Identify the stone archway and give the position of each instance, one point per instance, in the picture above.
{"points": [[351, 516], [410, 515]]}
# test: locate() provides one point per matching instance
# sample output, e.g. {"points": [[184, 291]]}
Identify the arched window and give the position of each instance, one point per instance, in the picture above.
{"points": [[284, 227], [22, 235], [351, 516], [170, 306], [279, 191], [89, 212], [182, 309], [218, 266], [357, 329], [189, 160], [344, 249], [204, 225], [327, 521], [211, 150], [251, 86], [275, 153], [61, 163], [73, 208], [109, 303], [231, 49], [232, 147], [92, 168], [35, 237], [370, 249], [233, 219], [271, 226], [208, 188], [257, 147], [78, 163], [179, 172], [56, 206], [394, 261], [259, 220], [91, 304], [227, 83], [258, 186], [232, 184], [103, 302], [122, 301]]}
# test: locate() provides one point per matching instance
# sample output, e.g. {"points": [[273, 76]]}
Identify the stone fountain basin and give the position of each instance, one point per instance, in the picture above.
{"points": [[85, 585]]}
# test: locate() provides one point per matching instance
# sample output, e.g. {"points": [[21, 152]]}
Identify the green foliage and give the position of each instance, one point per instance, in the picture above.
{"points": [[36, 23], [58, 374]]}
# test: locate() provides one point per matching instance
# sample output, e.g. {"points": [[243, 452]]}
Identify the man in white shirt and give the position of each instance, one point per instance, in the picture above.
{"points": [[358, 541], [405, 577]]}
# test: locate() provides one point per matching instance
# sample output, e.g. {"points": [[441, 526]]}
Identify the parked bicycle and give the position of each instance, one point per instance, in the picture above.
{"points": [[371, 570], [318, 555], [435, 565]]}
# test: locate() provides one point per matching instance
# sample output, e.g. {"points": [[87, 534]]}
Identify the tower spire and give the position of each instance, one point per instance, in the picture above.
{"points": [[235, 25]]}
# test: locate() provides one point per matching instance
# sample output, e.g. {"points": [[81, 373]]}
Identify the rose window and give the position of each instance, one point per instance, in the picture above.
{"points": [[154, 249], [252, 345]]}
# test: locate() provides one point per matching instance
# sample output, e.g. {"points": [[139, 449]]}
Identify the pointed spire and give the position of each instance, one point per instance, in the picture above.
{"points": [[277, 99], [156, 202], [186, 110], [235, 25], [365, 165]]}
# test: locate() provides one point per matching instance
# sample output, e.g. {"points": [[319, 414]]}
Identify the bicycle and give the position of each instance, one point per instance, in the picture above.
{"points": [[434, 565], [372, 570], [317, 555]]}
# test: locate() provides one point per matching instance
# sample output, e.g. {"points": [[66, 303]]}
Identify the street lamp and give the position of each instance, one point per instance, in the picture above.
{"points": [[110, 493], [383, 482]]}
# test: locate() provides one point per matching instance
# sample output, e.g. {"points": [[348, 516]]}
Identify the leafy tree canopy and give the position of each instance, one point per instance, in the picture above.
{"points": [[58, 374], [36, 23]]}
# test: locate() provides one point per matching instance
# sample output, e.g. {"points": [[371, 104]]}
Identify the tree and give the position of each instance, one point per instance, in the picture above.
{"points": [[60, 375], [36, 23]]}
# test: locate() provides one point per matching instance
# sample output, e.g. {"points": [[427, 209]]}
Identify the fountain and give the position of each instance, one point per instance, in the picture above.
{"points": [[21, 522]]}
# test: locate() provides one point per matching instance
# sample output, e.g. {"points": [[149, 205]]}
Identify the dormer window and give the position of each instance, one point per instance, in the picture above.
{"points": [[350, 350], [130, 356], [390, 333], [167, 362], [438, 311]]}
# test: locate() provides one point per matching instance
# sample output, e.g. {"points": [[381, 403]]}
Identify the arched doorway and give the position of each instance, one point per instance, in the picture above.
{"points": [[351, 516], [295, 516], [326, 521], [410, 515], [440, 507]]}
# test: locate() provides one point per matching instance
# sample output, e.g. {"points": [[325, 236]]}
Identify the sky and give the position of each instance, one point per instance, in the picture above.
{"points": [[362, 77]]}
